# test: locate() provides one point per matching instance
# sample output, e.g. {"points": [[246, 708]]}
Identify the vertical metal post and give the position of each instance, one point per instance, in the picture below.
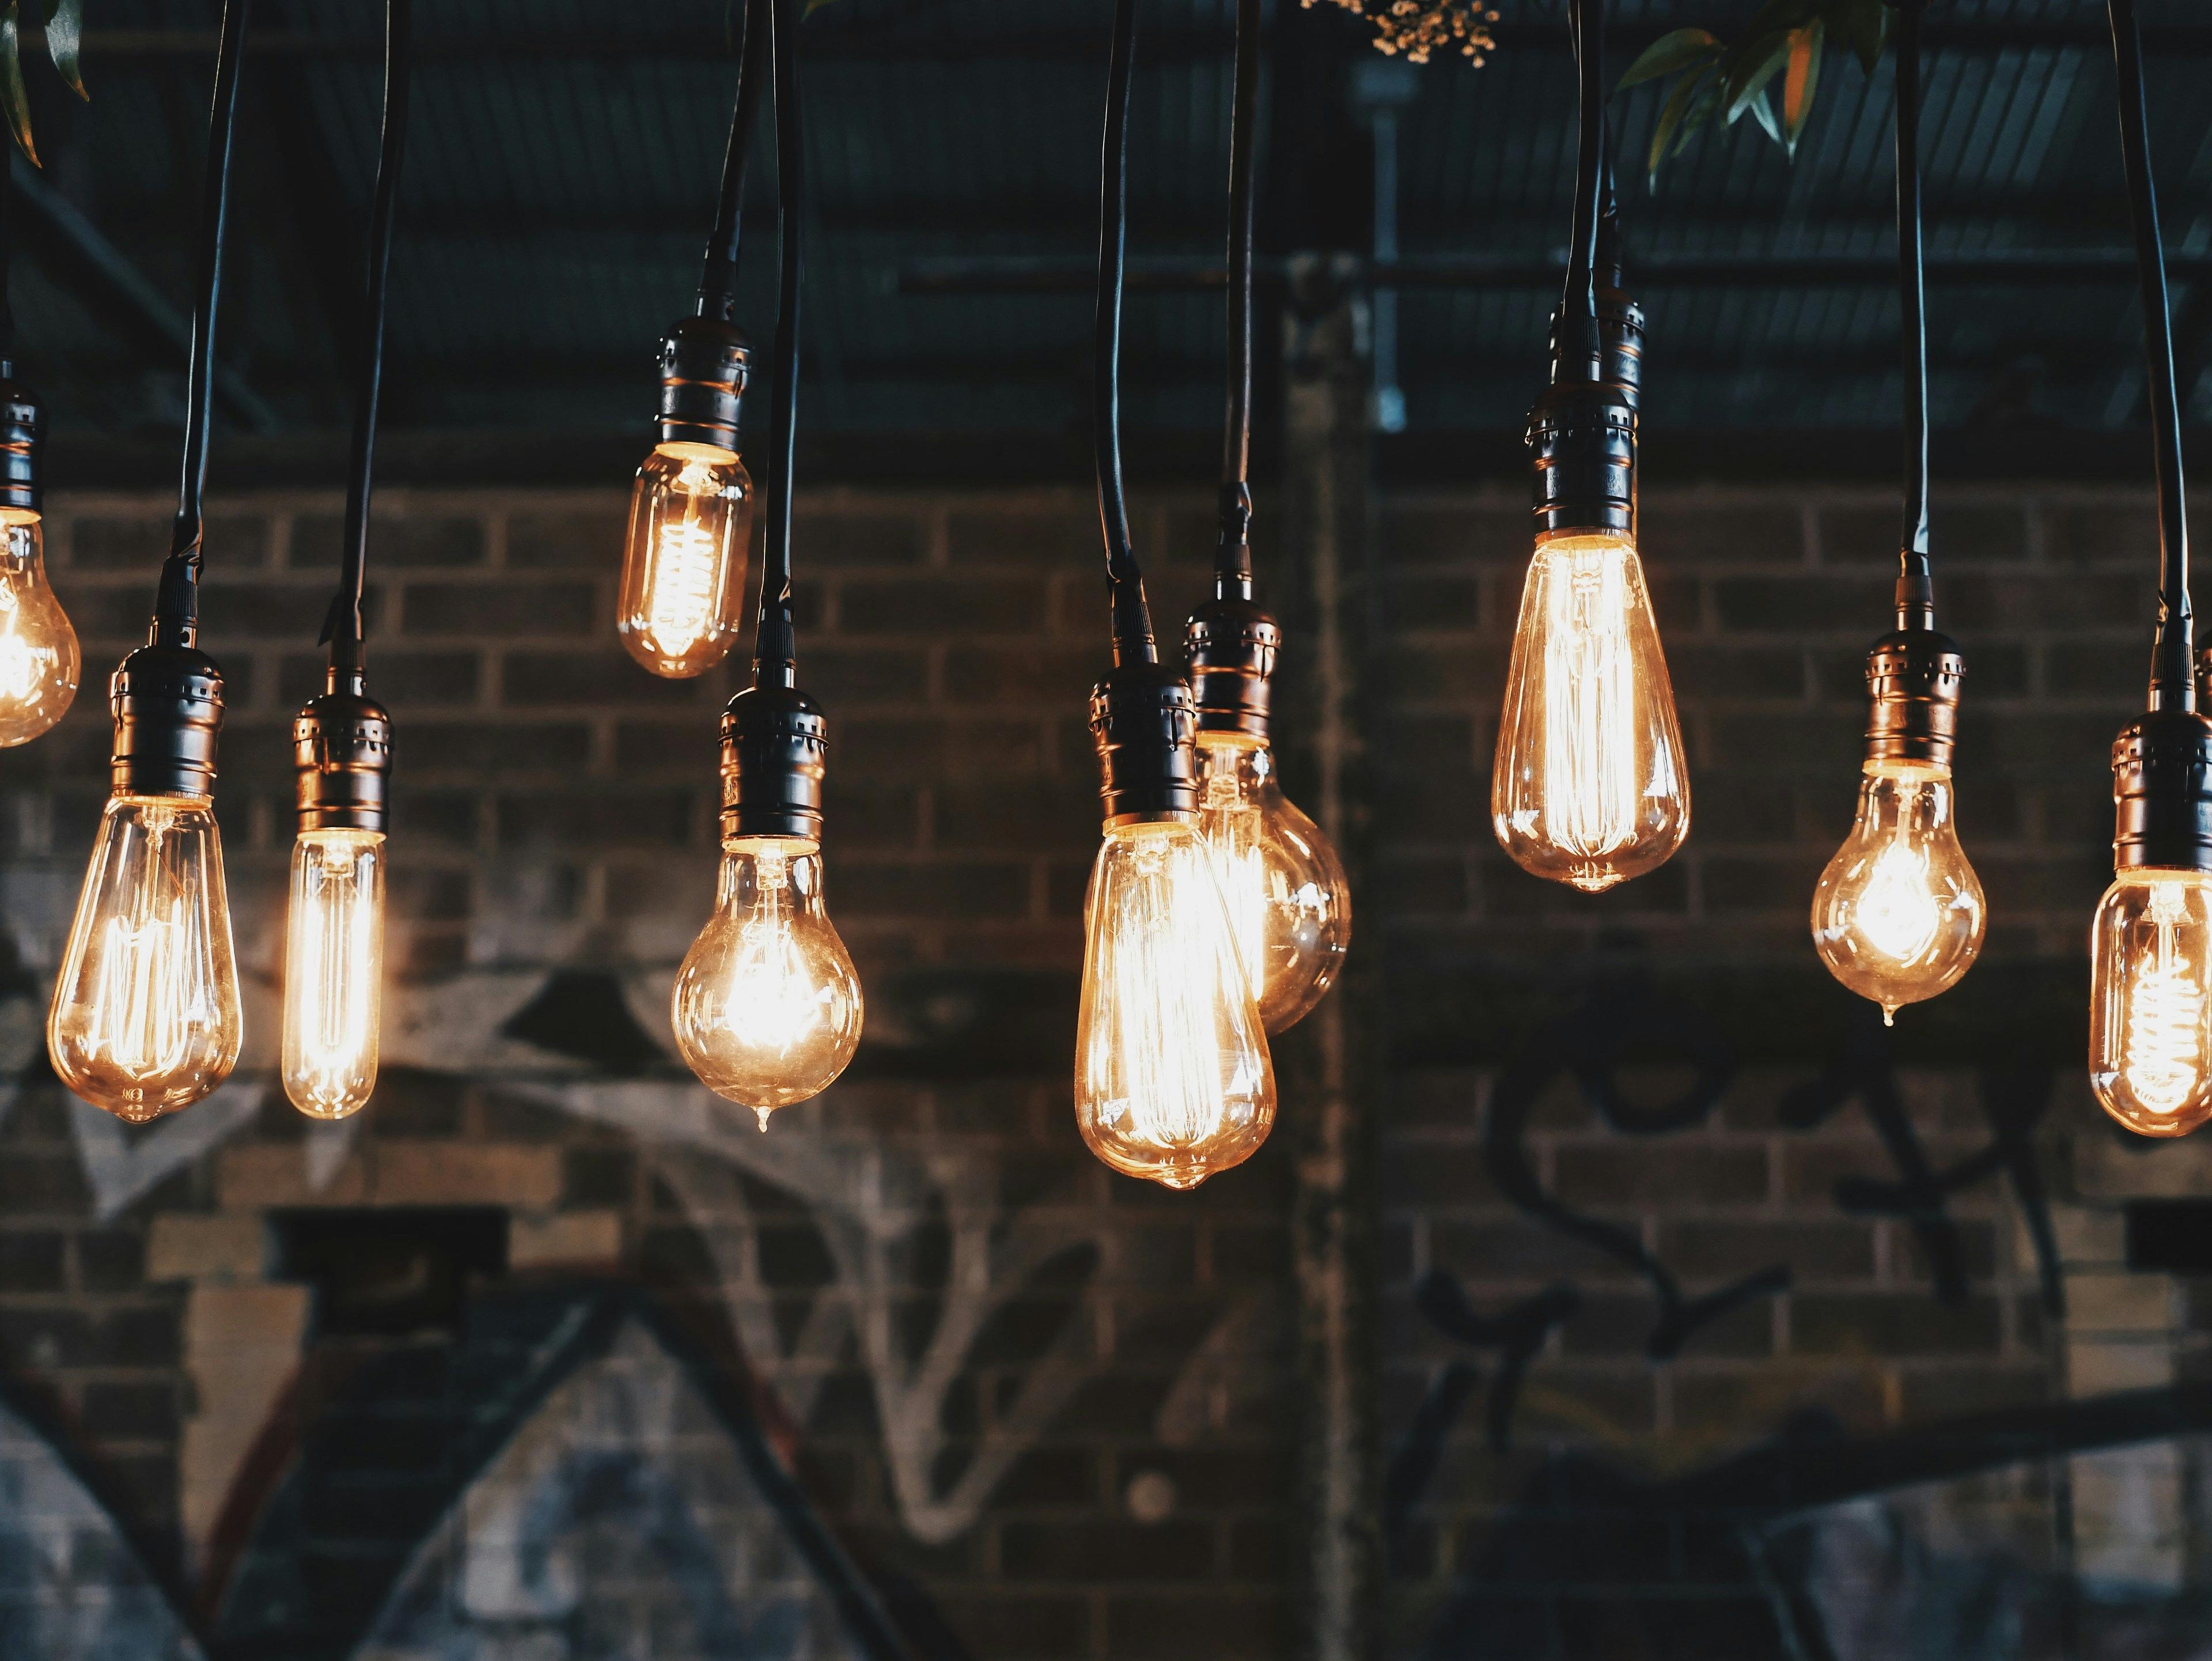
{"points": [[1326, 1062]]}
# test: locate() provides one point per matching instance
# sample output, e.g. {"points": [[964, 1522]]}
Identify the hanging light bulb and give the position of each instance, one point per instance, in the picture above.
{"points": [[2150, 1002], [683, 568], [1173, 1079], [334, 940], [39, 661], [1898, 915], [767, 1007], [39, 657], [767, 1004], [145, 1017], [1590, 787]]}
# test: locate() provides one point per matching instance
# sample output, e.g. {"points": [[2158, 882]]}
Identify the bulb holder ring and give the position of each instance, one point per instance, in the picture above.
{"points": [[1145, 723], [1232, 646], [1620, 347], [1914, 677], [775, 744], [2162, 792], [23, 444], [704, 365], [342, 748], [168, 705], [1582, 442]]}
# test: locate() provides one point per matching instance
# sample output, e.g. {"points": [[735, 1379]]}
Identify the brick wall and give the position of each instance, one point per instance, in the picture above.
{"points": [[1045, 1399]]}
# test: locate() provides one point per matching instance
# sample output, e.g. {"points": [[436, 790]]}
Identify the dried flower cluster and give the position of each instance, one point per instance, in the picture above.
{"points": [[1417, 28]]}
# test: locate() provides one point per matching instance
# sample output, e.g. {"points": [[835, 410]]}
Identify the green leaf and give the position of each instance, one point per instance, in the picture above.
{"points": [[813, 6], [1672, 115], [1681, 50], [16, 103], [64, 40], [1762, 110], [1747, 71], [1861, 25], [1804, 78]]}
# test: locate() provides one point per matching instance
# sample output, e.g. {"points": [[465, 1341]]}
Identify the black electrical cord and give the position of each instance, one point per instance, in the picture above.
{"points": [[176, 608], [342, 630], [1132, 622], [1578, 303], [1915, 589], [775, 645], [718, 281], [2171, 678], [1232, 561], [7, 309]]}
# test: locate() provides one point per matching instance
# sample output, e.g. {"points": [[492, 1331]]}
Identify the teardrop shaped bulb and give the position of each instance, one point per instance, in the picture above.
{"points": [[767, 1007], [39, 657], [1590, 787], [1898, 915], [1289, 904]]}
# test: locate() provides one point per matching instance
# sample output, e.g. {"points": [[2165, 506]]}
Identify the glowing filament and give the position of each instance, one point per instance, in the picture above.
{"points": [[23, 666], [2165, 1016], [1589, 671], [146, 991], [1898, 914]]}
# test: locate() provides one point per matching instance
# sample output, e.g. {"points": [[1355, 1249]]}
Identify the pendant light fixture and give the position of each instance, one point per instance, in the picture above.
{"points": [[39, 656], [2150, 948], [145, 1017], [767, 1005], [681, 606], [1173, 1080], [1590, 787], [1289, 902], [334, 945], [1899, 916]]}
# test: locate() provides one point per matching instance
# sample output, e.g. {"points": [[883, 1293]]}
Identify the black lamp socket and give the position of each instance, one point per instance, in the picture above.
{"points": [[1582, 434], [341, 749], [1145, 723], [1913, 677], [774, 741], [1620, 346], [2162, 792], [23, 438], [167, 705], [1232, 644], [704, 364]]}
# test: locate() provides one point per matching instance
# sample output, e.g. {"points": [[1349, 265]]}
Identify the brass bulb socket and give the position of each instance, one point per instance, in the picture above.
{"points": [[704, 366], [342, 752], [1232, 645], [775, 747], [1146, 725], [1913, 678], [2162, 792], [168, 705]]}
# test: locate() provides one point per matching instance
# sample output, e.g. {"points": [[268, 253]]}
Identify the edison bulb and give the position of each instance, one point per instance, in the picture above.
{"points": [[1289, 905], [334, 970], [2150, 1000], [145, 1018], [1898, 915], [1173, 1080], [38, 660], [683, 565], [1590, 787], [767, 1007]]}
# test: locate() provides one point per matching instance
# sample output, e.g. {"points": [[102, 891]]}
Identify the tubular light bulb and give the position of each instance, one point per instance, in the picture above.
{"points": [[1289, 905], [38, 660], [684, 566], [2150, 1000], [1590, 786], [767, 1008], [1173, 1080], [1899, 916], [334, 970], [145, 1017]]}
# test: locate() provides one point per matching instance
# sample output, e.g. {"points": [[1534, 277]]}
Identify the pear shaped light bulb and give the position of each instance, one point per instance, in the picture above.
{"points": [[682, 603], [1289, 905], [767, 1007], [1898, 915], [2150, 1000], [334, 970], [1590, 787], [39, 658], [1173, 1080], [145, 1018]]}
